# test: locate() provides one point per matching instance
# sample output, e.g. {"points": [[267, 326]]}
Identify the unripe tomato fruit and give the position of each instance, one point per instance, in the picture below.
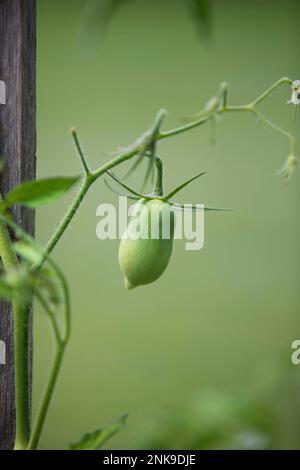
{"points": [[143, 260]]}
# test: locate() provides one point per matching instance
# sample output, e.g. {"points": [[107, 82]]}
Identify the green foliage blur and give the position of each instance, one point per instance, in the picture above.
{"points": [[200, 359]]}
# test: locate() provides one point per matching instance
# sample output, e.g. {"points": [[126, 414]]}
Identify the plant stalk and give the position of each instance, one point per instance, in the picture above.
{"points": [[34, 439], [21, 348]]}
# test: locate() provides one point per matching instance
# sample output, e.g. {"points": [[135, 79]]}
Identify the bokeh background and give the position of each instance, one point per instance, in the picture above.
{"points": [[201, 358]]}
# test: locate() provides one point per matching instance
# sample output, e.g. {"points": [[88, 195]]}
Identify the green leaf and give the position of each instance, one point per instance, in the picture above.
{"points": [[95, 440], [38, 192], [201, 12]]}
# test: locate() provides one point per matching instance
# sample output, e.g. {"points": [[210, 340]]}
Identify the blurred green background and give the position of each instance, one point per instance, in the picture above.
{"points": [[201, 358]]}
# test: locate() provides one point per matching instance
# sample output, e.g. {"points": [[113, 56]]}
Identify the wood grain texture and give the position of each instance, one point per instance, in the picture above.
{"points": [[17, 148]]}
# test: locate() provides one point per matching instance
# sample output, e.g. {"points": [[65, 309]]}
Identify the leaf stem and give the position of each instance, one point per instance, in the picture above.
{"points": [[184, 128], [68, 217], [34, 439], [158, 187], [80, 151], [265, 94], [278, 129]]}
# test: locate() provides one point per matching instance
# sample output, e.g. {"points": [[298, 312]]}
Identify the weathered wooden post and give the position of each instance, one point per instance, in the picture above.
{"points": [[17, 148]]}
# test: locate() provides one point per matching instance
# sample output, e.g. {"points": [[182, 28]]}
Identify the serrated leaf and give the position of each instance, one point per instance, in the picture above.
{"points": [[38, 192], [95, 440]]}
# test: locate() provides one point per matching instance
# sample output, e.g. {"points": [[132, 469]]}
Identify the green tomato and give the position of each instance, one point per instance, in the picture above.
{"points": [[146, 246]]}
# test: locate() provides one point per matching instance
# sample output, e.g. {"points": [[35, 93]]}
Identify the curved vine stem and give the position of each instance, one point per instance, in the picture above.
{"points": [[61, 340]]}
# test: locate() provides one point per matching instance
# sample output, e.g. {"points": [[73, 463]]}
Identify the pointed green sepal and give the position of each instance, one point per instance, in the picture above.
{"points": [[132, 191], [183, 185]]}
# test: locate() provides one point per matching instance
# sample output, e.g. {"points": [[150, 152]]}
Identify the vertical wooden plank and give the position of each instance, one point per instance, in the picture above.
{"points": [[17, 148]]}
